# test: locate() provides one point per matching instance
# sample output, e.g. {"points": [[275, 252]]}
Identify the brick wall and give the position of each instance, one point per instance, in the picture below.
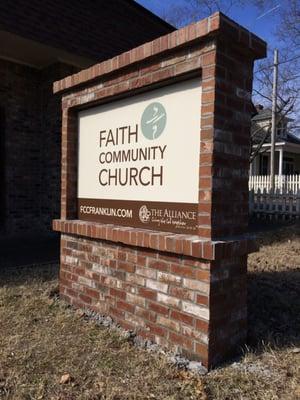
{"points": [[50, 149], [102, 266], [163, 297], [30, 134], [18, 95], [32, 118]]}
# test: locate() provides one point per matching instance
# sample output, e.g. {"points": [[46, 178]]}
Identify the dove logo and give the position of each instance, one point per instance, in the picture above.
{"points": [[153, 120]]}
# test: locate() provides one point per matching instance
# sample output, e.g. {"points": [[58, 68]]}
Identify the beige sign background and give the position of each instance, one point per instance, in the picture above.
{"points": [[141, 154]]}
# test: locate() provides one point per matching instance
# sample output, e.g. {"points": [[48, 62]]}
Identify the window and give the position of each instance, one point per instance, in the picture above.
{"points": [[263, 164], [281, 130], [288, 166]]}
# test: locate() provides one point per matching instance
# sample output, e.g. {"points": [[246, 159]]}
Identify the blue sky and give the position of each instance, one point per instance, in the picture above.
{"points": [[261, 22], [249, 16]]}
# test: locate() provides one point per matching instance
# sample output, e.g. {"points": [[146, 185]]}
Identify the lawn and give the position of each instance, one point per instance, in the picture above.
{"points": [[41, 339]]}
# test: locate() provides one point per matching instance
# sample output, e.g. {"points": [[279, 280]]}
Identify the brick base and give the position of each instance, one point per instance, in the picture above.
{"points": [[194, 306]]}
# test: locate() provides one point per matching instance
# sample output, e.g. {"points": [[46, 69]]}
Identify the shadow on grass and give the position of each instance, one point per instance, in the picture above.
{"points": [[274, 309], [18, 252], [26, 275], [269, 232]]}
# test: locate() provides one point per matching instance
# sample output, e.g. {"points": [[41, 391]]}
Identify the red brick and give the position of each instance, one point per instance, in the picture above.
{"points": [[202, 275], [183, 270], [85, 299], [158, 308], [147, 293], [170, 257], [122, 255], [202, 350], [168, 323], [209, 58], [145, 314], [201, 299], [141, 260], [179, 316], [160, 265], [125, 266], [92, 293], [181, 340], [117, 293], [181, 293], [208, 251], [115, 312], [126, 325], [126, 306], [202, 325], [156, 330]]}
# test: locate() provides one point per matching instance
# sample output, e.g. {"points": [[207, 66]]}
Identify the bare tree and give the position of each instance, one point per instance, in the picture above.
{"points": [[288, 34], [261, 134], [192, 10], [288, 29]]}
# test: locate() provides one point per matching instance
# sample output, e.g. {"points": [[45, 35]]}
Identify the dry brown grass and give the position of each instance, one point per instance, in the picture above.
{"points": [[41, 339], [270, 368]]}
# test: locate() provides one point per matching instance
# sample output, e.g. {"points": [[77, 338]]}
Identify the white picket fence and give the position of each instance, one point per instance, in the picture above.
{"points": [[274, 205], [281, 203], [283, 183]]}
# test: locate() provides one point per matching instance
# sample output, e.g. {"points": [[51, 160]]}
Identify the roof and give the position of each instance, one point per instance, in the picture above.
{"points": [[265, 113], [97, 29], [211, 27], [292, 139], [288, 139]]}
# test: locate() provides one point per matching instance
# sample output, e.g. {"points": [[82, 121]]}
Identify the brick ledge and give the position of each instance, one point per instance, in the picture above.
{"points": [[188, 245]]}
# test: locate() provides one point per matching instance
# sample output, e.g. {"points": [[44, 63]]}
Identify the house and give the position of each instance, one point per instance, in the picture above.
{"points": [[42, 42], [287, 145]]}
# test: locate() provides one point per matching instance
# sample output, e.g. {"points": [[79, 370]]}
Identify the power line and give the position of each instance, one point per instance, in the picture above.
{"points": [[290, 79], [280, 63], [291, 59]]}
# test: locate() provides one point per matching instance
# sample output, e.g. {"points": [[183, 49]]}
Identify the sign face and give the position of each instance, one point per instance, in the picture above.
{"points": [[139, 160]]}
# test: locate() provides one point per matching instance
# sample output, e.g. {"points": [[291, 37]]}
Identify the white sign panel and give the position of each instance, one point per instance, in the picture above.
{"points": [[142, 151]]}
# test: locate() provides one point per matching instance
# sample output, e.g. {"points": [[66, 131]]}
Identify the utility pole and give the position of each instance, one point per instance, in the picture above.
{"points": [[274, 109]]}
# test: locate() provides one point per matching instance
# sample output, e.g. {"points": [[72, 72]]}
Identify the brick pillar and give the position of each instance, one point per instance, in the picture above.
{"points": [[182, 291]]}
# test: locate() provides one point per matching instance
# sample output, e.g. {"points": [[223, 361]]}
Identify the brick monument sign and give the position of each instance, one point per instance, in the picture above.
{"points": [[154, 204]]}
